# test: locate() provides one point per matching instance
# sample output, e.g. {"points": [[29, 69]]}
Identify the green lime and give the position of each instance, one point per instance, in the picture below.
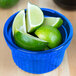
{"points": [[53, 21], [8, 3], [34, 17], [19, 22], [49, 34], [29, 42]]}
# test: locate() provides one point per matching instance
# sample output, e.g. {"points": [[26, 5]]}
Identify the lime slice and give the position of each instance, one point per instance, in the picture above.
{"points": [[34, 17], [49, 34], [53, 21], [19, 22], [29, 42]]}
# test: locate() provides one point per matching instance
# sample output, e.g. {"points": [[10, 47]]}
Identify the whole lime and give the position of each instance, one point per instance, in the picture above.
{"points": [[49, 34], [7, 3]]}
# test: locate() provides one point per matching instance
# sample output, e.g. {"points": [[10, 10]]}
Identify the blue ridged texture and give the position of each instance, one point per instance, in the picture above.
{"points": [[39, 62]]}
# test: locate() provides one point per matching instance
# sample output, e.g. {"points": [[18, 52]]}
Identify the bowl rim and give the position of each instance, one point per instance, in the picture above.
{"points": [[38, 52]]}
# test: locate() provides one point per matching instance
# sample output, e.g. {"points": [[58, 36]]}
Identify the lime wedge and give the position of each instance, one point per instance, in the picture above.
{"points": [[49, 34], [34, 17], [29, 42], [53, 21], [19, 22]]}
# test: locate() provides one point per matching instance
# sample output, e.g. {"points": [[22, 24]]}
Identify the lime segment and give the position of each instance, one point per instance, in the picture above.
{"points": [[34, 17], [19, 22], [53, 21], [29, 42], [49, 34]]}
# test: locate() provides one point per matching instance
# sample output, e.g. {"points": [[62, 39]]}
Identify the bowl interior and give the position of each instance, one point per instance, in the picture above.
{"points": [[64, 29]]}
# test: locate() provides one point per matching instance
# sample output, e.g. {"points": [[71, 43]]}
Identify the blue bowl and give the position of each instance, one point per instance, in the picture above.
{"points": [[38, 62]]}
